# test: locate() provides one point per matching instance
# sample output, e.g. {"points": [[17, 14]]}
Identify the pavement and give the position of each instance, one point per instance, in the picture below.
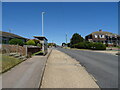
{"points": [[28, 74], [62, 71], [103, 67], [108, 52], [114, 51]]}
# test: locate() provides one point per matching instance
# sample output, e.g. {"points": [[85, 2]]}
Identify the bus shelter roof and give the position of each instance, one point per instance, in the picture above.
{"points": [[40, 37]]}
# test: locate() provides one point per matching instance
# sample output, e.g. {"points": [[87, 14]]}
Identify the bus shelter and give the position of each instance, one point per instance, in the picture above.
{"points": [[43, 41]]}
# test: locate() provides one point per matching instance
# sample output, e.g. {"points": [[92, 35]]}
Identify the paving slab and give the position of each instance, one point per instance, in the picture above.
{"points": [[62, 71]]}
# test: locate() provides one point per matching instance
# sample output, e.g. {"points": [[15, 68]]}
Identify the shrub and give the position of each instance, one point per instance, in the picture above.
{"points": [[106, 45], [16, 41], [99, 46], [89, 45], [36, 41], [80, 45], [39, 44], [68, 44], [30, 42]]}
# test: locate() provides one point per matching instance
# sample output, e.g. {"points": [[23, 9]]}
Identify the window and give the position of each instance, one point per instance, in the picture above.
{"points": [[96, 36], [102, 36]]}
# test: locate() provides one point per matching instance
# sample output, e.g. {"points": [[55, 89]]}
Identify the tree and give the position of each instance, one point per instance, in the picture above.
{"points": [[76, 38], [31, 42], [68, 44], [63, 44], [16, 41], [36, 41]]}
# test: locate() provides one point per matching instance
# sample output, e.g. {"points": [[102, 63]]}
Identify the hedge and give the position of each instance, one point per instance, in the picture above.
{"points": [[99, 46], [89, 45], [31, 42], [16, 41]]}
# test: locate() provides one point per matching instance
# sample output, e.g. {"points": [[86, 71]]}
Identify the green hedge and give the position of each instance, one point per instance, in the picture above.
{"points": [[89, 45], [16, 41], [99, 46], [31, 42]]}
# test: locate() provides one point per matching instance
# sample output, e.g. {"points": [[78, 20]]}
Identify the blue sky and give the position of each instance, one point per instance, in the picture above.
{"points": [[24, 18]]}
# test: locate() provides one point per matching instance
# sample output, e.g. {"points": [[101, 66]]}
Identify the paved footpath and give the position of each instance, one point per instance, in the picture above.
{"points": [[28, 74], [62, 71]]}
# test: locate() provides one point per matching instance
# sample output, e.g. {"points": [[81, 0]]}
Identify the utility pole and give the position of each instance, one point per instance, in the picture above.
{"points": [[43, 23], [66, 39]]}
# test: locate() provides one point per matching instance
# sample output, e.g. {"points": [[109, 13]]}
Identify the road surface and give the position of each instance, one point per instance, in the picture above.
{"points": [[103, 67]]}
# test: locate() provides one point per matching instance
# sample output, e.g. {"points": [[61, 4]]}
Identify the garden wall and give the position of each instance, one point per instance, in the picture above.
{"points": [[22, 50], [13, 49]]}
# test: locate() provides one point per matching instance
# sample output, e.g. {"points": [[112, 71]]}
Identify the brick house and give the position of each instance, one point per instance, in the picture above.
{"points": [[5, 37], [104, 37]]}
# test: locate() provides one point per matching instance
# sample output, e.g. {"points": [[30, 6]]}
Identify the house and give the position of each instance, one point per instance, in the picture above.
{"points": [[104, 37], [5, 37]]}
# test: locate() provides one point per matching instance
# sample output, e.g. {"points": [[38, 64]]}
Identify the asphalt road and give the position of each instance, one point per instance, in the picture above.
{"points": [[103, 67]]}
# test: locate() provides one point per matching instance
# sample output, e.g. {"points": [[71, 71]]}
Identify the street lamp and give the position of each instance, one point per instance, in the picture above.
{"points": [[43, 23]]}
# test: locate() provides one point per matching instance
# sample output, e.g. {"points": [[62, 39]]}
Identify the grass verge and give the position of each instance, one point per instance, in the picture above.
{"points": [[37, 53], [8, 62]]}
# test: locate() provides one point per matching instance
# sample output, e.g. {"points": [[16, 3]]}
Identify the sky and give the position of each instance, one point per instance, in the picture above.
{"points": [[60, 18]]}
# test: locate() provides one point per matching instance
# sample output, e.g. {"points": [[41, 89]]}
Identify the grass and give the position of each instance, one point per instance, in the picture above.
{"points": [[37, 53], [113, 47], [67, 47], [7, 62], [75, 48]]}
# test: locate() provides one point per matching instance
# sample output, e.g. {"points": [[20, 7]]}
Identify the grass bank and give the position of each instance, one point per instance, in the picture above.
{"points": [[38, 53], [7, 62]]}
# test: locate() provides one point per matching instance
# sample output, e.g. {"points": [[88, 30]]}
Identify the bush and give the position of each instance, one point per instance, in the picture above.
{"points": [[36, 41], [106, 45], [99, 46], [30, 42], [16, 41], [80, 45], [68, 44], [89, 45], [39, 44]]}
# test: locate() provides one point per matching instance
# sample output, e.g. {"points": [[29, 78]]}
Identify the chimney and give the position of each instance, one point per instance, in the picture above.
{"points": [[100, 30]]}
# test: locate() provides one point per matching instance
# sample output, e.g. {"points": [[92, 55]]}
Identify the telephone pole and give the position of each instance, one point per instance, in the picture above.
{"points": [[66, 39]]}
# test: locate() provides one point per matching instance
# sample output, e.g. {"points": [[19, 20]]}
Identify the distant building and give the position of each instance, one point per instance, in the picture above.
{"points": [[5, 37], [104, 37]]}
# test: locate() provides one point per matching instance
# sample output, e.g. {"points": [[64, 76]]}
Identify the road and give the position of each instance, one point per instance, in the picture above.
{"points": [[103, 67]]}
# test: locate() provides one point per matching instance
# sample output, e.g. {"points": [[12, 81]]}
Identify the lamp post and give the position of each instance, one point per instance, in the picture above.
{"points": [[43, 23]]}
